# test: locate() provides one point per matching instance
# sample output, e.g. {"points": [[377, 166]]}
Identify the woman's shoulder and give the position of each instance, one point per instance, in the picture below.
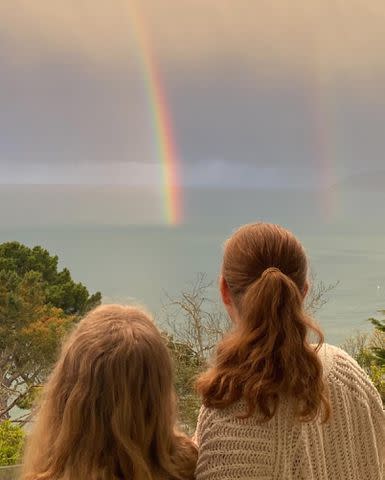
{"points": [[334, 359], [331, 355], [343, 372]]}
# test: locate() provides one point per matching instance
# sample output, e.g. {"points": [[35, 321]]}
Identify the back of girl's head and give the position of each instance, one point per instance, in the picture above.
{"points": [[267, 356], [108, 410], [255, 248]]}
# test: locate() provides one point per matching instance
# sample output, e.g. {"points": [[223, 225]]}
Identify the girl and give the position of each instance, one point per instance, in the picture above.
{"points": [[274, 405], [108, 409]]}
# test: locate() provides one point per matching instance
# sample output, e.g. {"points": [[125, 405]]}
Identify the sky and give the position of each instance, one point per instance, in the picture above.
{"points": [[284, 93]]}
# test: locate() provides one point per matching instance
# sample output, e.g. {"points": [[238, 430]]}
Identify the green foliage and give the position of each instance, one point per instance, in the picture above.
{"points": [[29, 398], [11, 443], [59, 289], [379, 351], [368, 360], [187, 366], [377, 368], [368, 351], [377, 375]]}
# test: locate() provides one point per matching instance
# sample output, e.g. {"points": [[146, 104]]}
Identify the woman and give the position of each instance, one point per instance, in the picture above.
{"points": [[274, 405], [108, 409]]}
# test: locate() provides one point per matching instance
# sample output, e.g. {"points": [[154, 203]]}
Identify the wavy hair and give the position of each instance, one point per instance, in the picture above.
{"points": [[108, 409], [268, 354]]}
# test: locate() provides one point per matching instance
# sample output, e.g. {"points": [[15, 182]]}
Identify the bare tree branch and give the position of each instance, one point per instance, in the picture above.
{"points": [[318, 295]]}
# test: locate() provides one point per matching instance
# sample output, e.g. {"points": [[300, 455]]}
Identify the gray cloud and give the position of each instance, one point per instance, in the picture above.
{"points": [[269, 84]]}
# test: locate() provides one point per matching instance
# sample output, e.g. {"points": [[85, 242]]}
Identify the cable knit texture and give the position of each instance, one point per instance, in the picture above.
{"points": [[350, 446]]}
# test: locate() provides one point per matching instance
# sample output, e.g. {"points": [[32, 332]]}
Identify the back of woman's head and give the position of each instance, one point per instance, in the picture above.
{"points": [[267, 355], [108, 409]]}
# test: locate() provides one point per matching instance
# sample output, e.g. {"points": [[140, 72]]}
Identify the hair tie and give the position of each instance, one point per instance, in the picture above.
{"points": [[270, 270]]}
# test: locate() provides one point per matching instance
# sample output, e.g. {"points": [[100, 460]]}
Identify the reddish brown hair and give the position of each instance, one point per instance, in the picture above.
{"points": [[267, 355], [108, 409]]}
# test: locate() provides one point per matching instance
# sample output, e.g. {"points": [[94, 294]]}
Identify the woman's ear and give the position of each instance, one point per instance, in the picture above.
{"points": [[306, 289], [227, 300], [225, 291]]}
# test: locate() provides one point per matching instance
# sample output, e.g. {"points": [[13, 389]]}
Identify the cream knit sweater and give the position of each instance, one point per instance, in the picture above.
{"points": [[350, 446]]}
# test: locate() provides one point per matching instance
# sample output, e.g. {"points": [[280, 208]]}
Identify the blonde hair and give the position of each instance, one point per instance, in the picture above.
{"points": [[108, 409], [267, 355]]}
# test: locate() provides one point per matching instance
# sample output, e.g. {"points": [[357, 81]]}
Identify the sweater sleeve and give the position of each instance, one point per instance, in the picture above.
{"points": [[201, 425]]}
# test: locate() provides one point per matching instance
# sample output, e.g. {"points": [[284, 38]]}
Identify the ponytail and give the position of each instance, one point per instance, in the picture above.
{"points": [[268, 356]]}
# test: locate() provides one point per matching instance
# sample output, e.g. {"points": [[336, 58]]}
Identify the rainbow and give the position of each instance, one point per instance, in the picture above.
{"points": [[326, 145], [166, 149]]}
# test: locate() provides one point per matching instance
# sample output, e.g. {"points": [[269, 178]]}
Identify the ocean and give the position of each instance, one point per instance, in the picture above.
{"points": [[147, 263]]}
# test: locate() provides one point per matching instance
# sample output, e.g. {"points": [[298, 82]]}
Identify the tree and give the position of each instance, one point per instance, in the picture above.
{"points": [[38, 305], [59, 289], [318, 294], [195, 325], [30, 335], [369, 352], [194, 319], [379, 351]]}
